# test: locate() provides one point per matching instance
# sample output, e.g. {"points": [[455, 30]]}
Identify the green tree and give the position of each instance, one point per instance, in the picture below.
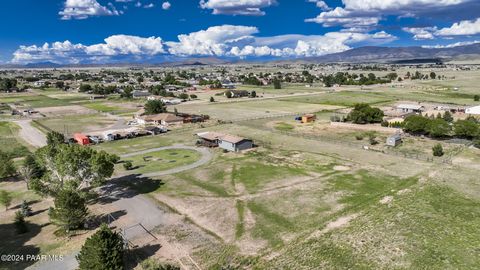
{"points": [[25, 209], [102, 251], [437, 150], [7, 167], [31, 163], [70, 211], [476, 97], [155, 107], [433, 76], [253, 94], [85, 88], [229, 94], [438, 128], [392, 76], [72, 166], [363, 114], [5, 198], [416, 124], [183, 96], [54, 137], [212, 99], [127, 92], [19, 223], [466, 129], [277, 84], [447, 116]]}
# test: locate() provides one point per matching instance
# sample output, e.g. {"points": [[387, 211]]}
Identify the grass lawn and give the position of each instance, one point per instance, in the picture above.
{"points": [[282, 126], [39, 101], [344, 98], [9, 140], [161, 160], [252, 108], [255, 174], [135, 145], [98, 106]]}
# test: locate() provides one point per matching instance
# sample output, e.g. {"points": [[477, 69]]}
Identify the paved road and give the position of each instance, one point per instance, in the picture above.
{"points": [[30, 134], [206, 157]]}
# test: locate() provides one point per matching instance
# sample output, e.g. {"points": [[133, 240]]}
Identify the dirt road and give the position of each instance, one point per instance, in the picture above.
{"points": [[135, 209], [30, 134]]}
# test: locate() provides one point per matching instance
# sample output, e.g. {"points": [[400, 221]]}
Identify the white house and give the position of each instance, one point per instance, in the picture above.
{"points": [[473, 110], [410, 108]]}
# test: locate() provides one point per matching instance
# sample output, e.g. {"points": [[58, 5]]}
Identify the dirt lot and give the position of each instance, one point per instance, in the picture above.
{"points": [[64, 110]]}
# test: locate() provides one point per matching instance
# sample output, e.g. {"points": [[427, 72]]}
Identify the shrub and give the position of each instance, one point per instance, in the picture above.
{"points": [[19, 222], [128, 165], [437, 150]]}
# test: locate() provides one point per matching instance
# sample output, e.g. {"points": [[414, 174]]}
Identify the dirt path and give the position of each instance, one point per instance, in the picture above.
{"points": [[206, 157], [30, 134], [136, 208]]}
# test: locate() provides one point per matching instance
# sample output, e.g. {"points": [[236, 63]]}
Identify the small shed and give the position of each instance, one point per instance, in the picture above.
{"points": [[394, 140], [81, 139], [234, 144], [308, 118]]}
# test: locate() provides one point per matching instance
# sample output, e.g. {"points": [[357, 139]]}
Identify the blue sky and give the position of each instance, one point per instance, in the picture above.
{"points": [[100, 31]]}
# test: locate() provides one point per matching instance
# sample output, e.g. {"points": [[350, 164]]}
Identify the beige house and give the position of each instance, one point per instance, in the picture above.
{"points": [[164, 119]]}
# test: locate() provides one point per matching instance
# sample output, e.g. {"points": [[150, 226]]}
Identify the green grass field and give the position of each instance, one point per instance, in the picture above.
{"points": [[40, 100], [344, 98], [9, 140], [161, 160]]}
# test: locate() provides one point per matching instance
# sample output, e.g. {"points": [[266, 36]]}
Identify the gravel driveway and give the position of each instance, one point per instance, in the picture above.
{"points": [[30, 134]]}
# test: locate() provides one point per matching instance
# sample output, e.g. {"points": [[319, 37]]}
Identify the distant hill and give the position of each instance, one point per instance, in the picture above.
{"points": [[400, 54], [367, 54]]}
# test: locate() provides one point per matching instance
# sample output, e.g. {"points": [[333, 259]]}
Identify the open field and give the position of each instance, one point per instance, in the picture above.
{"points": [[10, 141], [39, 100], [308, 196], [161, 160], [77, 123], [242, 109]]}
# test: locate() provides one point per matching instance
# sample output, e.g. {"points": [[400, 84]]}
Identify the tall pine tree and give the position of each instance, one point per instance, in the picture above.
{"points": [[102, 251]]}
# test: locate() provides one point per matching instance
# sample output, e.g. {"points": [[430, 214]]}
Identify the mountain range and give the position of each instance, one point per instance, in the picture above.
{"points": [[367, 54]]}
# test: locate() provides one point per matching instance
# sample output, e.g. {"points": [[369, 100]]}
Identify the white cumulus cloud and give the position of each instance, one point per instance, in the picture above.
{"points": [[212, 41], [166, 5], [237, 7], [355, 13], [221, 41], [82, 9], [463, 28], [67, 52]]}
